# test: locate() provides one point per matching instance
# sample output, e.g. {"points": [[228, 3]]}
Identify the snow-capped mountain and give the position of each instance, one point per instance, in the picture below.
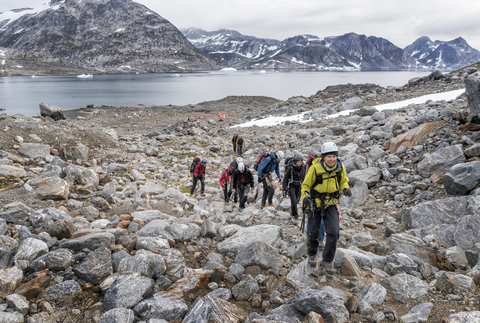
{"points": [[229, 46], [109, 35], [301, 52], [443, 54]]}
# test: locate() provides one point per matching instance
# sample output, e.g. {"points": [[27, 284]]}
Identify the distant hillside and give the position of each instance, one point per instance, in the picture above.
{"points": [[443, 54], [107, 35]]}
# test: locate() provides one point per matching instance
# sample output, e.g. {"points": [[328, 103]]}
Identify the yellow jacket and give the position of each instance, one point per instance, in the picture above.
{"points": [[329, 183]]}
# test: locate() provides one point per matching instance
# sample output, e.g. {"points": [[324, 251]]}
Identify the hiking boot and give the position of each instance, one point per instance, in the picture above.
{"points": [[270, 205], [295, 219], [262, 206], [328, 266], [312, 260]]}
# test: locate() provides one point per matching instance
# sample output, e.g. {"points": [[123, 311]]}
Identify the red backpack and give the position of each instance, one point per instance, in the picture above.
{"points": [[261, 158], [310, 160]]}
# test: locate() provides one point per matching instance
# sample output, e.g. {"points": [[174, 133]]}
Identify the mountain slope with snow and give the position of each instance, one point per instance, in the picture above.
{"points": [[350, 51], [443, 54], [110, 35]]}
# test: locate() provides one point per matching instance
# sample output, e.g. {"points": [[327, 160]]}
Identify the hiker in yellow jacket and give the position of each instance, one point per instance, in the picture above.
{"points": [[321, 192], [240, 145]]}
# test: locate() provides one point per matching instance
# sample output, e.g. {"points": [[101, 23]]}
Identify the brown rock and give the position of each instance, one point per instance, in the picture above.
{"points": [[350, 267], [437, 177], [376, 247], [410, 138], [313, 317], [128, 241], [32, 288], [253, 271], [369, 225], [62, 229], [126, 217], [352, 304]]}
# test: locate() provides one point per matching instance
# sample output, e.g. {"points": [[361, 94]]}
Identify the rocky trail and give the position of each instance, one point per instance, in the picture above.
{"points": [[97, 224]]}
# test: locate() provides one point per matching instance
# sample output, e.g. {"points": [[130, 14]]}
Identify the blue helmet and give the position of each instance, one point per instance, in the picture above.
{"points": [[204, 161]]}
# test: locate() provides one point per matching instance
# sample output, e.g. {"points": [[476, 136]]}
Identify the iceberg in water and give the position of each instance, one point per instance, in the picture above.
{"points": [[34, 76], [84, 76], [262, 72], [228, 69], [175, 75]]}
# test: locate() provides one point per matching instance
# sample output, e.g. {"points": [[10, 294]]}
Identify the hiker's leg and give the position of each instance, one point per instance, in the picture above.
{"points": [[322, 231], [243, 199], [293, 201], [265, 191], [195, 179], [332, 229], [271, 191], [314, 228], [202, 182]]}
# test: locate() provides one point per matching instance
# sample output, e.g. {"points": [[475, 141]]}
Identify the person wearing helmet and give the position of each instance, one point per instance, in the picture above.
{"points": [[234, 142], [232, 169], [242, 182], [321, 191], [199, 174], [269, 165], [226, 184], [294, 175]]}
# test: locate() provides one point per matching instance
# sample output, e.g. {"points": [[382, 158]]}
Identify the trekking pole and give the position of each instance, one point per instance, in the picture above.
{"points": [[261, 179]]}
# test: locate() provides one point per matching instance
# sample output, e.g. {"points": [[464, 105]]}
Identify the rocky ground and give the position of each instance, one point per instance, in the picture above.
{"points": [[96, 223]]}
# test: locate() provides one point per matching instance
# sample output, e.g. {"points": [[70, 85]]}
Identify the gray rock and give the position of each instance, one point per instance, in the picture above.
{"points": [[90, 241], [80, 151], [408, 286], [82, 175], [270, 234], [52, 188], [361, 257], [14, 317], [96, 266], [12, 171], [367, 111], [208, 229], [324, 302], [372, 294], [62, 291], [18, 303], [223, 293], [245, 289], [213, 309], [29, 249], [127, 291], [111, 133], [3, 226], [175, 263], [397, 263], [155, 245], [464, 317], [442, 160], [15, 215], [261, 254], [351, 104], [47, 110], [359, 195], [153, 228], [160, 307], [10, 279], [287, 310], [462, 178], [58, 259], [417, 314], [369, 176], [473, 151], [118, 315], [141, 264], [34, 151], [472, 89]]}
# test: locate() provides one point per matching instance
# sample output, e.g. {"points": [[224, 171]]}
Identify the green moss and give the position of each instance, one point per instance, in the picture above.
{"points": [[186, 190]]}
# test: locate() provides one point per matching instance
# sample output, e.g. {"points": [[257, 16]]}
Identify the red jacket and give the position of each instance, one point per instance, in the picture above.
{"points": [[200, 169], [225, 177]]}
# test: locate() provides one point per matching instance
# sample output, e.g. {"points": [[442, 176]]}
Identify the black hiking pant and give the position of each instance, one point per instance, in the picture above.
{"points": [[227, 191], [332, 230], [242, 195], [202, 182], [295, 193], [268, 190]]}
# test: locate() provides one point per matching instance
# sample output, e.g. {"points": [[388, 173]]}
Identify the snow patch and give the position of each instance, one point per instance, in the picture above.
{"points": [[119, 30], [272, 121], [11, 16], [228, 69]]}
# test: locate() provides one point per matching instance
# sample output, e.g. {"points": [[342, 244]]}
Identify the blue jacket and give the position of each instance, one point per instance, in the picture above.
{"points": [[269, 165]]}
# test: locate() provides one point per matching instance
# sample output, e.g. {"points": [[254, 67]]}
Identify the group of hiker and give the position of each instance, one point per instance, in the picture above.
{"points": [[318, 183]]}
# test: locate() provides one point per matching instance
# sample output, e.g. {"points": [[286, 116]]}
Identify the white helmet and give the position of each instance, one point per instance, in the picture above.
{"points": [[280, 154], [329, 148], [239, 160], [241, 167]]}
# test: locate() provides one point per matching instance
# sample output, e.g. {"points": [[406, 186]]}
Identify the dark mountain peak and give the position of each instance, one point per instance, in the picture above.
{"points": [[111, 35]]}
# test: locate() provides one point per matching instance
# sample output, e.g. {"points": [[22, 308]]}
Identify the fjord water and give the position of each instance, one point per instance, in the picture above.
{"points": [[24, 94]]}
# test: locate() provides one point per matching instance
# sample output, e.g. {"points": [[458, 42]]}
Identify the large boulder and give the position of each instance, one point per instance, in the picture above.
{"points": [[260, 254], [324, 302], [472, 89], [34, 151], [442, 160], [369, 176], [350, 104], [51, 111], [462, 178], [270, 234]]}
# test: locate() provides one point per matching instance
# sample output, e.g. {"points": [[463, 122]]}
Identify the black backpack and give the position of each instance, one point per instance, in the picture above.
{"points": [[194, 164]]}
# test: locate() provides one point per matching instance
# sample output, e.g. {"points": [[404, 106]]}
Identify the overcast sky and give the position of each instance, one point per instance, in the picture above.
{"points": [[399, 21]]}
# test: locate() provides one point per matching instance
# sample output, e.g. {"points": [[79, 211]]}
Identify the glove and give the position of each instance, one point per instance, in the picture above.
{"points": [[284, 194], [347, 192], [280, 178], [307, 202], [252, 190]]}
